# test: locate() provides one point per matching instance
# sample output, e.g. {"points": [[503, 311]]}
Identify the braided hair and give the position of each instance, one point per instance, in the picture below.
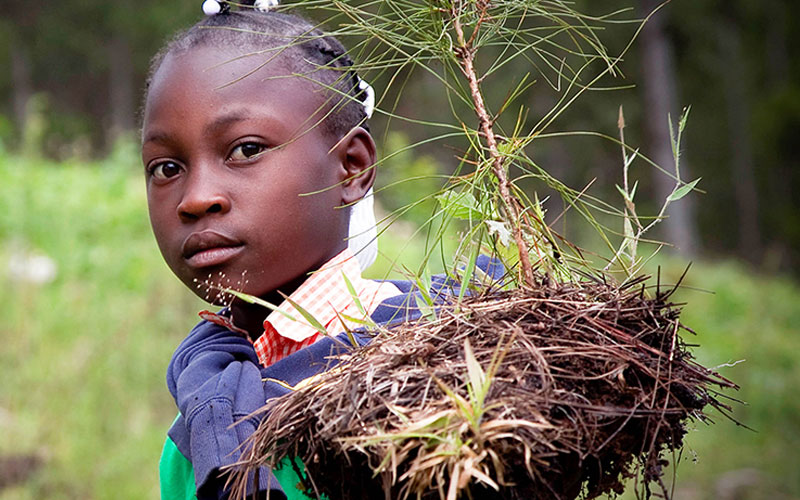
{"points": [[290, 40]]}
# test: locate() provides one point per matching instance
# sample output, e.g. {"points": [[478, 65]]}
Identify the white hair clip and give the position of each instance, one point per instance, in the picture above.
{"points": [[265, 5], [363, 234], [369, 99]]}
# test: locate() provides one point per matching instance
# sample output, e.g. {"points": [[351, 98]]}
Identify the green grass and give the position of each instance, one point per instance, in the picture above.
{"points": [[83, 357]]}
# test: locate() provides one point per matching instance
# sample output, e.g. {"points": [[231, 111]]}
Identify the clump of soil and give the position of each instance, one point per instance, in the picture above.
{"points": [[588, 385]]}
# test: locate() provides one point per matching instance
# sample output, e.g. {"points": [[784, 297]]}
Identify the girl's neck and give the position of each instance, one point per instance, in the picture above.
{"points": [[250, 317]]}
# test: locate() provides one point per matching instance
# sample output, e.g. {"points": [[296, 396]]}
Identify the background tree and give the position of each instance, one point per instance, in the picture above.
{"points": [[660, 98]]}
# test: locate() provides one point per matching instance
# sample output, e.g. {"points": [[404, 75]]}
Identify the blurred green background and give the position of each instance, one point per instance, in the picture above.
{"points": [[94, 313]]}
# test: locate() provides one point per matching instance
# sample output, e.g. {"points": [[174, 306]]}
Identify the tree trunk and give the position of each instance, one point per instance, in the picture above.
{"points": [[776, 47], [121, 91], [21, 88], [734, 87], [659, 85]]}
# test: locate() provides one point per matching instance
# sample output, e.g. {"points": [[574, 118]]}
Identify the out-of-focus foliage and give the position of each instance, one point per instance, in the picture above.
{"points": [[83, 356], [70, 51]]}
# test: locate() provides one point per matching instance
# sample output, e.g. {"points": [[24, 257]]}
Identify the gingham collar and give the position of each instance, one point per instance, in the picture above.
{"points": [[327, 298]]}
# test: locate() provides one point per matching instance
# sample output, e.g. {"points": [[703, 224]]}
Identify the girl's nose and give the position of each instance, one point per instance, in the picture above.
{"points": [[202, 196]]}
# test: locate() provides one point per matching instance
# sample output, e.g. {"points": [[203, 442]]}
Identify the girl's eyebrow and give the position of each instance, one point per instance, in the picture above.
{"points": [[223, 121], [213, 128], [157, 136]]}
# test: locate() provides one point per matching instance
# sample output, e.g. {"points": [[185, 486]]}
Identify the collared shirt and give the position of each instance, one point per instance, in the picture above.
{"points": [[326, 297]]}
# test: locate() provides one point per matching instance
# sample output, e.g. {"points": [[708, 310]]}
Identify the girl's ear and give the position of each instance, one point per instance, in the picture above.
{"points": [[358, 159]]}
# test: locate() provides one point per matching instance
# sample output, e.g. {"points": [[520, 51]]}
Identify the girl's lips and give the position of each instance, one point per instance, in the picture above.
{"points": [[213, 256], [209, 248]]}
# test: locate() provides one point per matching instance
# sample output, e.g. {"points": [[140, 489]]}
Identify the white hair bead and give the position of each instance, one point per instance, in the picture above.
{"points": [[369, 99], [265, 5], [211, 7]]}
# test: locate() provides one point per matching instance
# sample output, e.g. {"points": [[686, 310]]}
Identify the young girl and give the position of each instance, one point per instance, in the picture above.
{"points": [[255, 147]]}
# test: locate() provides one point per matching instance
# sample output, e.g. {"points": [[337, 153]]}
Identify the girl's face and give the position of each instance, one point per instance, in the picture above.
{"points": [[242, 188]]}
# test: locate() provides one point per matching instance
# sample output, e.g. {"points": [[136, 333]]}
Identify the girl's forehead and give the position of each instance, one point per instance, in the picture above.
{"points": [[228, 65], [202, 85], [230, 71]]}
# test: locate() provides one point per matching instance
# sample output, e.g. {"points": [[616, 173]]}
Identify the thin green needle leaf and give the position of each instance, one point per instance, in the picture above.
{"points": [[468, 271], [312, 321], [361, 321], [251, 299], [475, 372], [347, 330], [354, 295]]}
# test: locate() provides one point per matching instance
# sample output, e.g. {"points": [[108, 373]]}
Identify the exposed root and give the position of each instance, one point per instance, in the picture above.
{"points": [[587, 386]]}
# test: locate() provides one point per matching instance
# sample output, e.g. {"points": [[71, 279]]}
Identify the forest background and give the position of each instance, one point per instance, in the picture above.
{"points": [[89, 331]]}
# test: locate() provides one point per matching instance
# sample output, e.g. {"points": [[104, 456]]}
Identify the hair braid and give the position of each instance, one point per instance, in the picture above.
{"points": [[334, 55], [302, 47]]}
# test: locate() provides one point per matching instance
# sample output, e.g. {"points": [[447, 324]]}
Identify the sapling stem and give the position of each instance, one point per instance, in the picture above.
{"points": [[465, 53]]}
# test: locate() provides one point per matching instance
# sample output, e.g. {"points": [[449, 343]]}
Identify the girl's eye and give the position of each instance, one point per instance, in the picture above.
{"points": [[165, 170], [247, 151]]}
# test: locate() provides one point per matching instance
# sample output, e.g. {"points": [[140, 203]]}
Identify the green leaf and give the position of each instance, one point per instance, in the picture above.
{"points": [[423, 285], [427, 308], [252, 299], [622, 192], [468, 271], [684, 118], [312, 321], [458, 400], [353, 295], [474, 371], [675, 142], [360, 321], [683, 190], [672, 138], [347, 330], [461, 206], [428, 312]]}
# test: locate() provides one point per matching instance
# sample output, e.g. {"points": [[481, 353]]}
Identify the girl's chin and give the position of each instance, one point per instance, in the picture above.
{"points": [[215, 291], [216, 286]]}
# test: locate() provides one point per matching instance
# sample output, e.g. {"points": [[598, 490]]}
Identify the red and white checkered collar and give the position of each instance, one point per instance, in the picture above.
{"points": [[326, 297]]}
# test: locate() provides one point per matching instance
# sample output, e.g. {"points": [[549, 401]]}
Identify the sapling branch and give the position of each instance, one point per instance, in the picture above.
{"points": [[465, 53], [681, 189], [629, 205]]}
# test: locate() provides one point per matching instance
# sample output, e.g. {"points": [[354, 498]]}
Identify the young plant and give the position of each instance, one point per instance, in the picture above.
{"points": [[633, 229], [463, 45]]}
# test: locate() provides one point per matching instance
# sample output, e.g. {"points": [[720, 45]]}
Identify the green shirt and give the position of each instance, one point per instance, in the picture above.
{"points": [[176, 476]]}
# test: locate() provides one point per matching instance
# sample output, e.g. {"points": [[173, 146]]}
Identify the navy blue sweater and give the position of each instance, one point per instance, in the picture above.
{"points": [[216, 381]]}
